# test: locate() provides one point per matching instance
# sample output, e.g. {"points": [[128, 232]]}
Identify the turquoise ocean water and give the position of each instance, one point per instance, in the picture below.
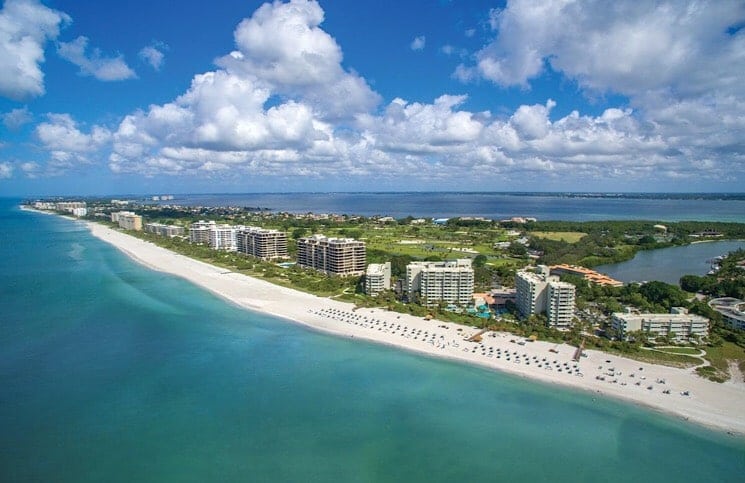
{"points": [[112, 372]]}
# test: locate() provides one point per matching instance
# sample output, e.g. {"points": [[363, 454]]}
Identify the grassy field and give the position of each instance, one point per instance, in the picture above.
{"points": [[655, 357], [681, 350], [719, 357], [566, 236]]}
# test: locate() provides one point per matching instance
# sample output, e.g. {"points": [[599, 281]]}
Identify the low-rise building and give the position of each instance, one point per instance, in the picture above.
{"points": [[164, 230], [262, 243], [377, 278], [732, 310], [678, 325], [332, 256], [433, 282], [589, 275], [502, 295]]}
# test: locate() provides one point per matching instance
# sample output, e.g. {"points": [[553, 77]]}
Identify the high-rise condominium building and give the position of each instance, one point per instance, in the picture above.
{"points": [[199, 232], [127, 220], [219, 237], [333, 256], [164, 230], [377, 278], [450, 281], [538, 292], [262, 243]]}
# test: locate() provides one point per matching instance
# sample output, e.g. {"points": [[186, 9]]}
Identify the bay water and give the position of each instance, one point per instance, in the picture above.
{"points": [[110, 371], [497, 206], [670, 264]]}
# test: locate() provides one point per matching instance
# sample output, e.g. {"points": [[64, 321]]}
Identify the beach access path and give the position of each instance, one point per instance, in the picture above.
{"points": [[679, 392]]}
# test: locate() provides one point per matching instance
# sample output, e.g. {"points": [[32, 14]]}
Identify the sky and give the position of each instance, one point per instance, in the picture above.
{"points": [[155, 96]]}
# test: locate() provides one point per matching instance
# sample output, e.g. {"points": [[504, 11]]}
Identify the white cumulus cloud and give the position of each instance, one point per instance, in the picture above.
{"points": [[418, 43], [68, 146], [283, 105], [153, 55], [16, 118], [95, 64], [282, 45], [25, 28], [6, 170]]}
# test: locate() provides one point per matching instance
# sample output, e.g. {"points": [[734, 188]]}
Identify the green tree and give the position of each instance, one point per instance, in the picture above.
{"points": [[479, 261], [517, 249]]}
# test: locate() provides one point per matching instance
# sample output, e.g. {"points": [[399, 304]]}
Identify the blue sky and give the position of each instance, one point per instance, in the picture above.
{"points": [[242, 96]]}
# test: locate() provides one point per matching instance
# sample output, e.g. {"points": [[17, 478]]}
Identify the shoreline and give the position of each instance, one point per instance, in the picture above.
{"points": [[716, 406]]}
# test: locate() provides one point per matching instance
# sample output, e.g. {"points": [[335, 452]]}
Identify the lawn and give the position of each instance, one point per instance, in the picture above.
{"points": [[566, 236], [681, 350], [718, 356], [655, 357]]}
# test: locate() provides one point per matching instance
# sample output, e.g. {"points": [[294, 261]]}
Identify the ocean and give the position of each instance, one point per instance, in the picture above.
{"points": [[543, 206], [113, 372]]}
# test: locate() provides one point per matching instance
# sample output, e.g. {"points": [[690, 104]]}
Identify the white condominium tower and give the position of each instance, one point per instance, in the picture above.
{"points": [[377, 278], [450, 281], [199, 232], [262, 243], [127, 220], [333, 256], [219, 237], [540, 292]]}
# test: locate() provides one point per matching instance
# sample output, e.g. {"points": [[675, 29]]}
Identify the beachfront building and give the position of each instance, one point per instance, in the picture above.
{"points": [[377, 278], [332, 256], [199, 232], [450, 281], [732, 310], [262, 243], [127, 220], [217, 236], [560, 304], [539, 293], [164, 230], [69, 206], [678, 325], [589, 275], [224, 237], [75, 208]]}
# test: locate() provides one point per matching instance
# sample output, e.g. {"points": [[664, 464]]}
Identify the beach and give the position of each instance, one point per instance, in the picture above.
{"points": [[678, 392]]}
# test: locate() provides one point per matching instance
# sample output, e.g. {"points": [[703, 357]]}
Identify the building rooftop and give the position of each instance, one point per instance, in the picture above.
{"points": [[729, 306], [588, 274]]}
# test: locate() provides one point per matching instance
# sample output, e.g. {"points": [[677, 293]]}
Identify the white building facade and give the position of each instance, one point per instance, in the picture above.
{"points": [[678, 326], [432, 282], [539, 293], [377, 278], [164, 230], [732, 310], [217, 236]]}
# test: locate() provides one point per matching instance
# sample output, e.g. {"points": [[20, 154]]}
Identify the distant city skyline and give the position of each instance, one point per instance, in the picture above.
{"points": [[244, 96]]}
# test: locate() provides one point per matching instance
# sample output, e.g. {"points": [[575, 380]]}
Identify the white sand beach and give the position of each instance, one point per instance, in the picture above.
{"points": [[720, 406]]}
